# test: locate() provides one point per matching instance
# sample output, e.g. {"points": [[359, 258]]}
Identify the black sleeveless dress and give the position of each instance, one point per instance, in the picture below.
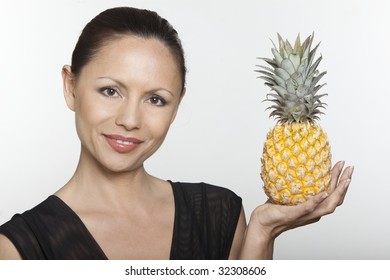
{"points": [[205, 221]]}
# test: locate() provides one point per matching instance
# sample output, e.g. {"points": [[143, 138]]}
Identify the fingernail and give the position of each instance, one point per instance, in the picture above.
{"points": [[324, 195], [342, 164]]}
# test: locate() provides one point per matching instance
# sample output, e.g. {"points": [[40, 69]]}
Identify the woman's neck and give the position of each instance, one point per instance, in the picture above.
{"points": [[95, 184]]}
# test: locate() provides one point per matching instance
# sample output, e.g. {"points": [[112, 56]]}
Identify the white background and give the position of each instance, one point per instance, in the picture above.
{"points": [[221, 126]]}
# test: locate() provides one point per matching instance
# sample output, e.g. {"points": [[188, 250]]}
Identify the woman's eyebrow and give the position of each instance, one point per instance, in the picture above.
{"points": [[114, 80], [124, 86]]}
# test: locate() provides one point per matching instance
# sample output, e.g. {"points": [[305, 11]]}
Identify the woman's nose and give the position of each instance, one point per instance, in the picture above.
{"points": [[129, 115]]}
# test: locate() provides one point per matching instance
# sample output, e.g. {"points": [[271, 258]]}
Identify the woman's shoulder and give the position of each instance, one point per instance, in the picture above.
{"points": [[192, 187], [22, 230], [45, 208], [204, 212], [13, 233], [204, 191]]}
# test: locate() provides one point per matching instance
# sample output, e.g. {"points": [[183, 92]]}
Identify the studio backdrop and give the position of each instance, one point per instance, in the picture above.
{"points": [[222, 123]]}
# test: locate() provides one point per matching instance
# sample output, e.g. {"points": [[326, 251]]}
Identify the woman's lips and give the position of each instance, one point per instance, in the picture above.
{"points": [[122, 144]]}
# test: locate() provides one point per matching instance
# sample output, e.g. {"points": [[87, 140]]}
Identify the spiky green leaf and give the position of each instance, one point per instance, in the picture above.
{"points": [[266, 68], [279, 81], [317, 78], [288, 48], [288, 66], [293, 77], [295, 60], [265, 73], [271, 62], [281, 90], [278, 56], [282, 73], [297, 46]]}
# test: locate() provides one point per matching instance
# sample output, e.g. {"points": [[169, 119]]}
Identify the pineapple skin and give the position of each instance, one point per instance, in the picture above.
{"points": [[296, 162]]}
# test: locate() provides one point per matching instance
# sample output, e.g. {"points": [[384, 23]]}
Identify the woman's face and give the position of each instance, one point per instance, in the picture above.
{"points": [[124, 100]]}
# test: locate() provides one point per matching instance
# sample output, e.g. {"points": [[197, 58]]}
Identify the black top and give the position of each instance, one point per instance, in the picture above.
{"points": [[206, 217]]}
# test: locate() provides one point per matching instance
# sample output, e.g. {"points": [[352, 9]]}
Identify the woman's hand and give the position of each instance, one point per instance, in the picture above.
{"points": [[273, 219], [270, 220]]}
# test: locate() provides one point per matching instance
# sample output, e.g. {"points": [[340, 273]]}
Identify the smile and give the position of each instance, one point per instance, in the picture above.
{"points": [[122, 144]]}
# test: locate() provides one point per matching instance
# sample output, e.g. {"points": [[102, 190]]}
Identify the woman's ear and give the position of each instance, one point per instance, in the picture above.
{"points": [[69, 86]]}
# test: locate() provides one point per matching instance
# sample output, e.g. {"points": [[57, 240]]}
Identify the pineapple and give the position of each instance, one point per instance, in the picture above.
{"points": [[296, 160]]}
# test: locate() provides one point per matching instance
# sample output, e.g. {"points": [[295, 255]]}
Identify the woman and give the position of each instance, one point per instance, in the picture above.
{"points": [[125, 85]]}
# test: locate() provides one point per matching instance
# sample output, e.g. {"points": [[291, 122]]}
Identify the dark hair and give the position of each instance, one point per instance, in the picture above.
{"points": [[125, 21]]}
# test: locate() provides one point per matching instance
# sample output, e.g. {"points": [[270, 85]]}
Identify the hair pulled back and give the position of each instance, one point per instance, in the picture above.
{"points": [[125, 21]]}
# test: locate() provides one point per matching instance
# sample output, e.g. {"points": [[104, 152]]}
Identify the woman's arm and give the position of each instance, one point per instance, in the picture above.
{"points": [[8, 250], [269, 220]]}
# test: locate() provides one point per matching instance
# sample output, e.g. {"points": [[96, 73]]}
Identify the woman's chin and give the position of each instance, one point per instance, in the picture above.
{"points": [[121, 168]]}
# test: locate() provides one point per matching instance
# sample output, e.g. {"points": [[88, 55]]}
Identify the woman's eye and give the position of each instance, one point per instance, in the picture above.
{"points": [[157, 100], [109, 92]]}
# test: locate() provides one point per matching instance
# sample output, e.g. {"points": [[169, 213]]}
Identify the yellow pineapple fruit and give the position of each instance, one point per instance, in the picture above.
{"points": [[296, 160]]}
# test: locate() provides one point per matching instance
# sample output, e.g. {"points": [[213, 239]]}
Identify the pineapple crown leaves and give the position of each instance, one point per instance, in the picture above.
{"points": [[293, 77]]}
